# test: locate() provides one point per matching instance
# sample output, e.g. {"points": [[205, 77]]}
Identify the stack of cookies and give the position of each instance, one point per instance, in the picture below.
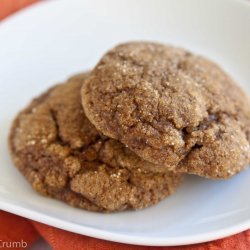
{"points": [[122, 135]]}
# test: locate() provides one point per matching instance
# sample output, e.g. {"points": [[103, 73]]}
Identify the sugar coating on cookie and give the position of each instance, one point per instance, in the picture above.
{"points": [[170, 107], [63, 156]]}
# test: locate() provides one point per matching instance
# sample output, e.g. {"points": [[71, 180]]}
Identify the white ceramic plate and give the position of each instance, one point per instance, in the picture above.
{"points": [[54, 39]]}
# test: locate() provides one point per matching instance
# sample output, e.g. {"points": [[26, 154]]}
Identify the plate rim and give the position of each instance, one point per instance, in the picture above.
{"points": [[121, 238]]}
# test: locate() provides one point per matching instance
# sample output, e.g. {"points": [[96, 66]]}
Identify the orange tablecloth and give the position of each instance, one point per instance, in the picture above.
{"points": [[14, 228]]}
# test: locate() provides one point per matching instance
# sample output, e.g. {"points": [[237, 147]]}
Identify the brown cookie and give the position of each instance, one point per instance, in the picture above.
{"points": [[63, 156], [171, 108]]}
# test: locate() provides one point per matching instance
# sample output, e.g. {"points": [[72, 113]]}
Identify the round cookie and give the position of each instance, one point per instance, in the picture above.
{"points": [[63, 156], [170, 107]]}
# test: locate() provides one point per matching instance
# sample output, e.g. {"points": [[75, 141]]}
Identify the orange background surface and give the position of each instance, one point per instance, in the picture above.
{"points": [[15, 228]]}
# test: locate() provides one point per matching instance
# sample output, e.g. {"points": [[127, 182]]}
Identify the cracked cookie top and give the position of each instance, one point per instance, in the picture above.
{"points": [[170, 107], [63, 156]]}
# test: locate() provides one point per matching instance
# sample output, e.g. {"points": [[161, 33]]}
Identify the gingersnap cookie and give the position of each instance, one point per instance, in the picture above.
{"points": [[170, 107], [63, 156]]}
